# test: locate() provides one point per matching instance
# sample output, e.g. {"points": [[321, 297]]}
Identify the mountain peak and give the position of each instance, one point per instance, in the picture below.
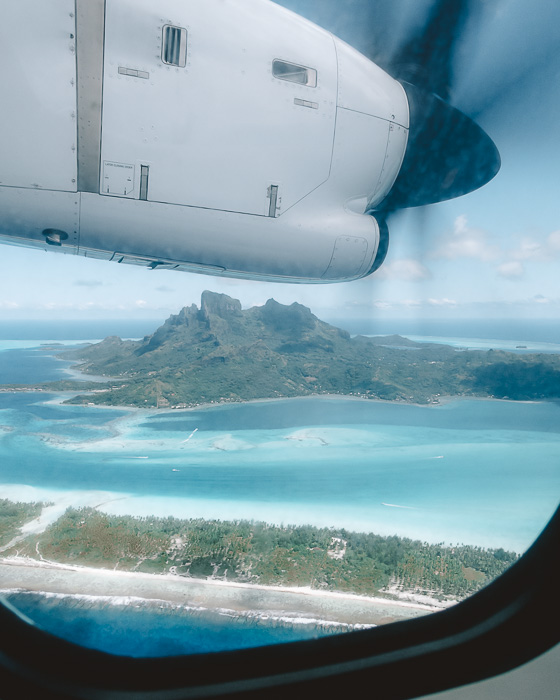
{"points": [[295, 318], [219, 305]]}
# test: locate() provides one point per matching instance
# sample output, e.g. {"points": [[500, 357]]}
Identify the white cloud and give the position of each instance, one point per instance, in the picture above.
{"points": [[9, 305], [414, 304], [511, 264], [528, 249], [140, 304], [511, 270], [540, 299], [466, 242], [405, 270], [531, 249], [442, 302]]}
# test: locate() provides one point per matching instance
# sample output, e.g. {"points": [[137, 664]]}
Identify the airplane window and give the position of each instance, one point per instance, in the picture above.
{"points": [[231, 460], [294, 73]]}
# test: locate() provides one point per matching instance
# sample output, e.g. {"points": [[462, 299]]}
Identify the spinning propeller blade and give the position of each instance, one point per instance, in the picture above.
{"points": [[448, 154]]}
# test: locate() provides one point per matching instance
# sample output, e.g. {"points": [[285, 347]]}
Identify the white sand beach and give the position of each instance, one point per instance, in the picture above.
{"points": [[18, 573]]}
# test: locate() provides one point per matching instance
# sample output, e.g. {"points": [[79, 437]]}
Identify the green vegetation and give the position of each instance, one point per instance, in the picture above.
{"points": [[255, 552], [223, 353], [13, 516]]}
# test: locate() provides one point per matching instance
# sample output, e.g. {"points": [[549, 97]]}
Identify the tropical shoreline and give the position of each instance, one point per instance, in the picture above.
{"points": [[19, 574]]}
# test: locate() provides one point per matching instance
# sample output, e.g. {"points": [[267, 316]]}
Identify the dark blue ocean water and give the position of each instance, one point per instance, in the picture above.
{"points": [[76, 329], [138, 629], [538, 330], [530, 330], [32, 365]]}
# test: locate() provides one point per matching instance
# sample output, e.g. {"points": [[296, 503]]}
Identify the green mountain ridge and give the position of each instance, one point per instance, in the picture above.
{"points": [[221, 352]]}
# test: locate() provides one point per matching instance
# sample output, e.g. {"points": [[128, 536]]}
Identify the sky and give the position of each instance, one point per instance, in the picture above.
{"points": [[492, 254]]}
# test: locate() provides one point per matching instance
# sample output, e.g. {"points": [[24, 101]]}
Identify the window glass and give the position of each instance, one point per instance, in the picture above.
{"points": [[180, 453]]}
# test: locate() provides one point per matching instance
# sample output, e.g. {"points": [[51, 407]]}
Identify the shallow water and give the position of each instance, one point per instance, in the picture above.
{"points": [[473, 471]]}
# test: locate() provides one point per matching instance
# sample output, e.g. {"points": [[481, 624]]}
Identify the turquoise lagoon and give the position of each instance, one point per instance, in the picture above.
{"points": [[473, 471]]}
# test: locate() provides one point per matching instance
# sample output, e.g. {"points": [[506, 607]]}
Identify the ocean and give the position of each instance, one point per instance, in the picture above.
{"points": [[132, 627], [469, 471], [522, 330]]}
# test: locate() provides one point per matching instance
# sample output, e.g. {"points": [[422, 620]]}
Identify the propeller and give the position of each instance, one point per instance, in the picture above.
{"points": [[426, 60], [448, 154]]}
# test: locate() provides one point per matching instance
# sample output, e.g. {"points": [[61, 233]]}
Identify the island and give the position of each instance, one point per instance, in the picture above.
{"points": [[220, 352]]}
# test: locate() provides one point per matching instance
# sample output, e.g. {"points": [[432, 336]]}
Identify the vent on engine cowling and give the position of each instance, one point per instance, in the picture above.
{"points": [[174, 46]]}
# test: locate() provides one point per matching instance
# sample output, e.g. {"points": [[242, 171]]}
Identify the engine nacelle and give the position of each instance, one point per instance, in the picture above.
{"points": [[225, 137]]}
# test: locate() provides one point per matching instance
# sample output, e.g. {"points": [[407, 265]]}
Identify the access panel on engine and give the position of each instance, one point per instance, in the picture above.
{"points": [[199, 93]]}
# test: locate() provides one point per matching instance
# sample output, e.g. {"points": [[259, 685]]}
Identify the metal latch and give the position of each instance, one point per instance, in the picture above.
{"points": [[54, 236], [273, 196]]}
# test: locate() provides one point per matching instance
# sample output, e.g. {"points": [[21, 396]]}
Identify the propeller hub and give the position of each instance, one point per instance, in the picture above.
{"points": [[448, 154]]}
